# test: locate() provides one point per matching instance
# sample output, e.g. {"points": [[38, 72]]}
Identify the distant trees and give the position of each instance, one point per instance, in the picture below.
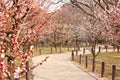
{"points": [[58, 36], [70, 22], [62, 25]]}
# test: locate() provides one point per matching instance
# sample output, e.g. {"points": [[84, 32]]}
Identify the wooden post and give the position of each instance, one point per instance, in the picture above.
{"points": [[68, 48], [80, 58], [113, 71], [72, 55], [102, 69], [61, 49], [86, 61], [76, 52], [40, 51], [27, 69], [118, 47], [51, 50]]}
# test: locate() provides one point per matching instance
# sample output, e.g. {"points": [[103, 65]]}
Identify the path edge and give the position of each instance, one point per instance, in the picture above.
{"points": [[88, 72]]}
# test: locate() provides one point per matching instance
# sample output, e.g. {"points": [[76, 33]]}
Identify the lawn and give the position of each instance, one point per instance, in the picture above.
{"points": [[47, 50], [110, 58]]}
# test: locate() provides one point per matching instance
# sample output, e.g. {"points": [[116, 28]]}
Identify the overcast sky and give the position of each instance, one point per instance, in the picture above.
{"points": [[57, 6]]}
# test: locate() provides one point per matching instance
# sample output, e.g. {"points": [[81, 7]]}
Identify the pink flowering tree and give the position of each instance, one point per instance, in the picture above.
{"points": [[108, 11], [20, 23]]}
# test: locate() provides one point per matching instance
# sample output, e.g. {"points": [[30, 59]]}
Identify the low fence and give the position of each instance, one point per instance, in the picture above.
{"points": [[112, 72]]}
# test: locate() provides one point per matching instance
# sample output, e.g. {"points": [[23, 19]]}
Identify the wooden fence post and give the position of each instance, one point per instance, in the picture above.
{"points": [[113, 71], [76, 52], [68, 48], [86, 61], [27, 69], [51, 50], [40, 51], [61, 49], [80, 58], [72, 55], [102, 69]]}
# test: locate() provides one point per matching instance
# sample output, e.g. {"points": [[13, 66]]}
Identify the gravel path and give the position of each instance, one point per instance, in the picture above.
{"points": [[59, 67]]}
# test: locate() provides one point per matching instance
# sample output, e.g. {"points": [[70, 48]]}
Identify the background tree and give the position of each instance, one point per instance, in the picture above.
{"points": [[94, 32], [108, 13], [93, 24], [69, 22]]}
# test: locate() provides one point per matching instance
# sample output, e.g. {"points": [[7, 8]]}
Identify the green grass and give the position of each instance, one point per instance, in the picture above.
{"points": [[110, 58], [47, 50]]}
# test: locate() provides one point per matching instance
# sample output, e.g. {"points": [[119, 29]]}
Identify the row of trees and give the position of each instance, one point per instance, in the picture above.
{"points": [[91, 21], [103, 20]]}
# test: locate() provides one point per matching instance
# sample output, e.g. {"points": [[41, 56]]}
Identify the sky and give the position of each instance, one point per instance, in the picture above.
{"points": [[57, 6]]}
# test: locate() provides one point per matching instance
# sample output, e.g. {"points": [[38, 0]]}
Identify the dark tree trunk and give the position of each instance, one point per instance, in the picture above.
{"points": [[60, 48], [118, 49], [93, 64], [106, 47], [27, 73], [55, 49], [94, 57], [77, 45]]}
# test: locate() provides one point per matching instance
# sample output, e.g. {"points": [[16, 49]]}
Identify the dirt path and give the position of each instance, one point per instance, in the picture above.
{"points": [[59, 67]]}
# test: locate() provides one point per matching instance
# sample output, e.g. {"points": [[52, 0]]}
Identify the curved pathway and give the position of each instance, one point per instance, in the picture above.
{"points": [[59, 67]]}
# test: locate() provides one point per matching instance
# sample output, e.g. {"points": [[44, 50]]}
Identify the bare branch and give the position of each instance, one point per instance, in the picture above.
{"points": [[82, 6]]}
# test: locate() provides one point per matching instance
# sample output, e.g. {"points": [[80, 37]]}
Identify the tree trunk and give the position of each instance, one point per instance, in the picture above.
{"points": [[60, 48], [55, 49], [106, 47], [94, 57], [27, 68], [118, 49], [93, 64], [78, 46], [0, 76]]}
